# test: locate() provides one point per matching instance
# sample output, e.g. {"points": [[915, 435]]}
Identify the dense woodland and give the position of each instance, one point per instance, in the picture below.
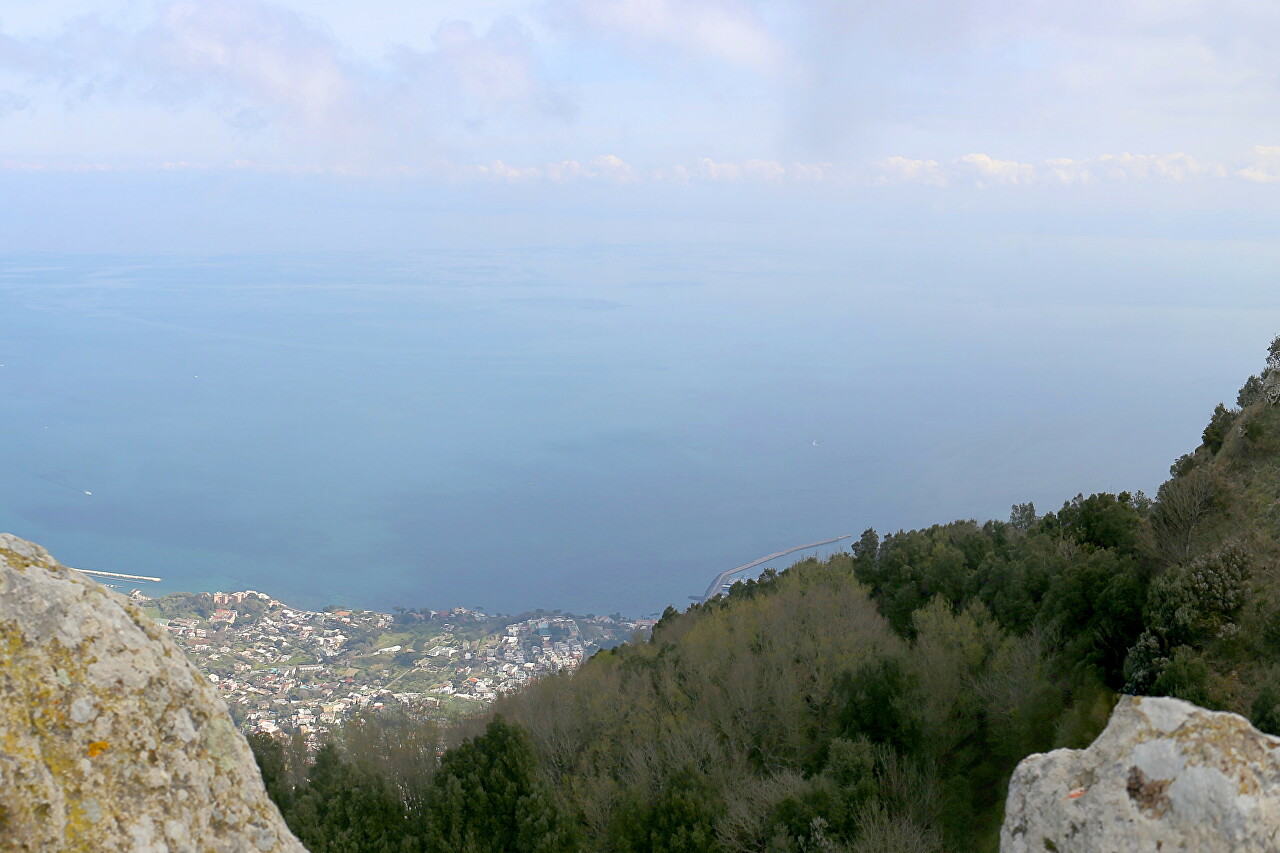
{"points": [[878, 700]]}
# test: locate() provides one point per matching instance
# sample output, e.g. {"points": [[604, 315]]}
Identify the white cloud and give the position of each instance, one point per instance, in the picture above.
{"points": [[510, 174], [976, 170], [905, 170], [565, 171], [1175, 166], [280, 81], [478, 76], [983, 170], [815, 173], [775, 90], [710, 170], [788, 84], [612, 168], [605, 167], [1264, 166], [271, 58], [988, 170], [678, 174], [753, 170], [1065, 170], [722, 29]]}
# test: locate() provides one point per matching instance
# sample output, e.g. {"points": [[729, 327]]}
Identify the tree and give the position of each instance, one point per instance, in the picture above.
{"points": [[347, 807], [399, 744], [1186, 677], [669, 615], [269, 753], [1023, 516], [873, 702], [1181, 505], [684, 818], [1095, 605], [1104, 521], [1188, 606], [1219, 426], [1250, 392], [867, 546], [487, 797]]}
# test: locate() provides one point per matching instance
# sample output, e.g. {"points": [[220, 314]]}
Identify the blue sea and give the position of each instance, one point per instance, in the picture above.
{"points": [[592, 429]]}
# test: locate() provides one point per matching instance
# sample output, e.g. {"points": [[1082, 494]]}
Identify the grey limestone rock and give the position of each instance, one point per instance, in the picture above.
{"points": [[1165, 775], [1271, 386], [109, 738]]}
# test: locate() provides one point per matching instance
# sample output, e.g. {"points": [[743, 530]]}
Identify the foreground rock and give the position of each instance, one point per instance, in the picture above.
{"points": [[1164, 775], [109, 738]]}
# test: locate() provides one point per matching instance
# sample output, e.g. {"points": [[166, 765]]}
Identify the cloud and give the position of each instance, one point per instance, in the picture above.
{"points": [[265, 69], [606, 168], [905, 170], [1175, 166], [766, 92], [723, 30], [987, 169], [479, 76], [1093, 74], [255, 55], [609, 168], [613, 168], [756, 171], [983, 170], [1264, 166], [511, 174]]}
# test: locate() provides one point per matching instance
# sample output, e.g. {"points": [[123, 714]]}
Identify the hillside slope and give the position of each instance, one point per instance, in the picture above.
{"points": [[883, 697], [880, 700]]}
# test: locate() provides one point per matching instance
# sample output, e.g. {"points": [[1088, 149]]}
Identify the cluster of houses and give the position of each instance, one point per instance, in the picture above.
{"points": [[523, 651], [283, 669]]}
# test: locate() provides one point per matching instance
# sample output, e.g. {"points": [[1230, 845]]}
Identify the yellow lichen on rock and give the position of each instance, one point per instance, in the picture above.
{"points": [[1164, 775], [109, 738]]}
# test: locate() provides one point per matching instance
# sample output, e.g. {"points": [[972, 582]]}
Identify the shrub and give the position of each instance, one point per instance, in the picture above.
{"points": [[1182, 465], [1250, 392], [1104, 520], [1265, 711], [1181, 505], [1195, 602], [1144, 663], [873, 703], [1186, 677], [1219, 425]]}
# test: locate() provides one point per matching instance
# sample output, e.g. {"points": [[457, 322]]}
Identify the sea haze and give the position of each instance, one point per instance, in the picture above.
{"points": [[590, 429]]}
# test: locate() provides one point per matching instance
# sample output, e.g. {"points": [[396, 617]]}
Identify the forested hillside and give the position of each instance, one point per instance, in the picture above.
{"points": [[878, 700]]}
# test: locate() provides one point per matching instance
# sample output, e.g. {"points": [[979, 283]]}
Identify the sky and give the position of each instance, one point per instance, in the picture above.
{"points": [[412, 114]]}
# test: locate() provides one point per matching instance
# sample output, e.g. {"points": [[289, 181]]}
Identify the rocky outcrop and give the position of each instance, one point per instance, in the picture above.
{"points": [[109, 738], [1164, 775], [1271, 386]]}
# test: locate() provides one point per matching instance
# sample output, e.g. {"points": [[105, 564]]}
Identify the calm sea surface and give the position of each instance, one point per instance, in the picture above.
{"points": [[599, 429]]}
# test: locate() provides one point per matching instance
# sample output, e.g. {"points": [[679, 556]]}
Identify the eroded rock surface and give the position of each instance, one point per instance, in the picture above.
{"points": [[109, 739], [1164, 775]]}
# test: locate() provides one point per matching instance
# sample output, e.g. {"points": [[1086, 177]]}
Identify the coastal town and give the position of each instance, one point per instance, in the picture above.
{"points": [[286, 669]]}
